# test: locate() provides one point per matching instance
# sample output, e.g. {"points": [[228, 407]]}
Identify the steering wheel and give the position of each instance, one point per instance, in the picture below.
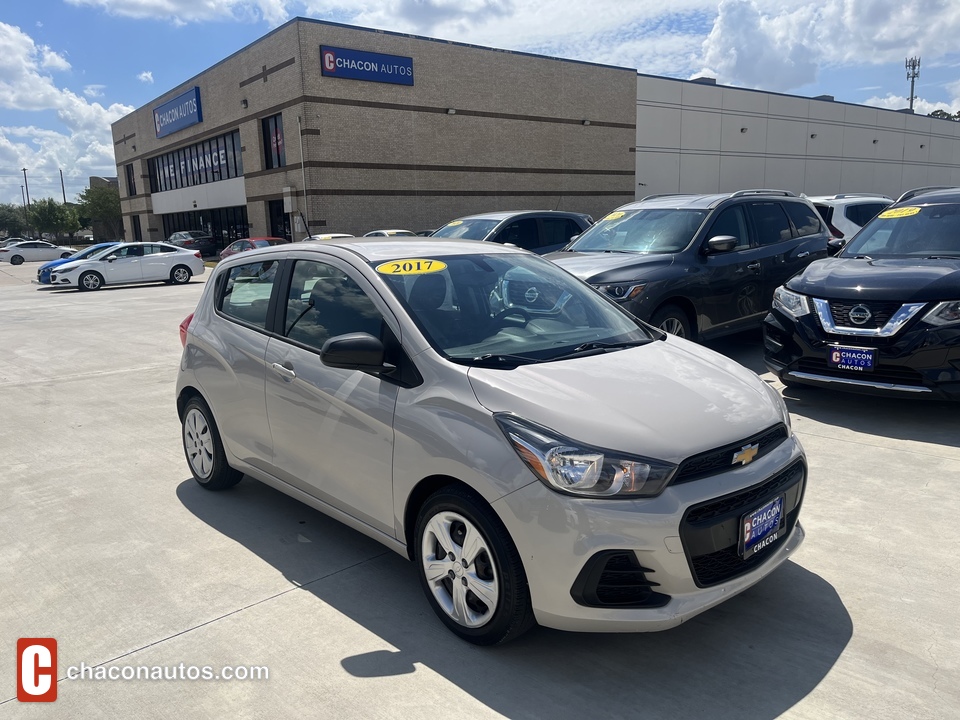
{"points": [[499, 318]]}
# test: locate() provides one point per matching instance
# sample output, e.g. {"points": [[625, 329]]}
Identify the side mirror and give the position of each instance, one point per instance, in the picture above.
{"points": [[835, 245], [110, 258], [573, 237], [721, 244], [355, 351]]}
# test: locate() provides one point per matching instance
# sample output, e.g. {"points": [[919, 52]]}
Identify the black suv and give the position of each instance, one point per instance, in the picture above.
{"points": [[699, 266], [883, 316], [539, 231]]}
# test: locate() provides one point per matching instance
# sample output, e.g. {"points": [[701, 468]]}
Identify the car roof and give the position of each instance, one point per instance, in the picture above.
{"points": [[943, 195], [848, 197], [697, 201], [382, 249], [504, 214]]}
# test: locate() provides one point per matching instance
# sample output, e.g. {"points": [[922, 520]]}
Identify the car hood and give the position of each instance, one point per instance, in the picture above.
{"points": [[666, 400], [73, 264], [54, 263], [607, 267], [894, 279]]}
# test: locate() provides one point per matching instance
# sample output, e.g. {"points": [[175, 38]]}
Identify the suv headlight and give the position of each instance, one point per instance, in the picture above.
{"points": [[793, 304], [570, 467], [946, 313], [621, 291]]}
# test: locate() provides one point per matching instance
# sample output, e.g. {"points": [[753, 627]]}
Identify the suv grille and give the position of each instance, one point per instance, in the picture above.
{"points": [[880, 312], [615, 578], [711, 531], [720, 459]]}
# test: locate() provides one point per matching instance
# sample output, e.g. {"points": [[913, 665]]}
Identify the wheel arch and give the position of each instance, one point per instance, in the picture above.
{"points": [[418, 496], [186, 394], [684, 304]]}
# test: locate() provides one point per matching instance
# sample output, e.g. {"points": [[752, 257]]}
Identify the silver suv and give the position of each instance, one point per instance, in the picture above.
{"points": [[537, 452]]}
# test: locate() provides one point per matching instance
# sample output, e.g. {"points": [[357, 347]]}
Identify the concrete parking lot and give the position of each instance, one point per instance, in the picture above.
{"points": [[108, 545]]}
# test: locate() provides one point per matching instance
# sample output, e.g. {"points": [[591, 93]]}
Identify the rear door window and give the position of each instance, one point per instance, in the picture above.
{"points": [[245, 293], [804, 218], [558, 231], [770, 223]]}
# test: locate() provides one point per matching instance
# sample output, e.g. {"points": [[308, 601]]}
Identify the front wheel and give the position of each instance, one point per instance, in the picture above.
{"points": [[90, 281], [64, 256], [180, 275], [204, 448], [16, 260], [470, 569], [671, 319]]}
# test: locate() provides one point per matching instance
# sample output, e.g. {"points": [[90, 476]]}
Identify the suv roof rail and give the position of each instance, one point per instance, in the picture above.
{"points": [[660, 195], [921, 190], [841, 196], [763, 191]]}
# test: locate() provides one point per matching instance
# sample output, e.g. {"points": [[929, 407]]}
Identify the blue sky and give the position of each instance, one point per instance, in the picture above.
{"points": [[68, 68]]}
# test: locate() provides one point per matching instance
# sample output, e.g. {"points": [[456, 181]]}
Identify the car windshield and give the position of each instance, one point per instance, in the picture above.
{"points": [[89, 252], [468, 229], [506, 309], [102, 252], [912, 231], [645, 230]]}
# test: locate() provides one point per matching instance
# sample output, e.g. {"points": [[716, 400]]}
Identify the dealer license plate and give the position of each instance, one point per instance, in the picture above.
{"points": [[761, 528], [851, 358]]}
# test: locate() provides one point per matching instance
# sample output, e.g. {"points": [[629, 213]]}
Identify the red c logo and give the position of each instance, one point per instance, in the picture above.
{"points": [[36, 669], [329, 61]]}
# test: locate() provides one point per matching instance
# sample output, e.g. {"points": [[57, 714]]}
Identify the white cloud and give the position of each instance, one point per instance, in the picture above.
{"points": [[146, 77], [52, 60], [920, 106], [83, 147], [94, 91], [186, 11]]}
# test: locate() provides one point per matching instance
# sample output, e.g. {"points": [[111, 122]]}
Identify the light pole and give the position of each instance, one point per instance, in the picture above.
{"points": [[24, 201], [27, 186]]}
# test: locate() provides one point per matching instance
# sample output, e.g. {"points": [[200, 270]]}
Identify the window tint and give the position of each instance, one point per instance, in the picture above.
{"points": [[129, 251], [274, 153], [804, 219], [826, 212], [770, 223], [731, 222], [157, 249], [246, 292], [558, 231], [862, 214], [522, 233], [325, 302]]}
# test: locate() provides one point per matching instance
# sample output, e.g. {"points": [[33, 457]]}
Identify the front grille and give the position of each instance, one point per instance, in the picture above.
{"points": [[896, 374], [721, 459], [880, 313], [710, 531], [615, 578]]}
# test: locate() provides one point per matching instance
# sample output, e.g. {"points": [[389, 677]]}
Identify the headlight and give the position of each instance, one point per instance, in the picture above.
{"points": [[777, 400], [791, 303], [621, 291], [946, 313], [570, 467]]}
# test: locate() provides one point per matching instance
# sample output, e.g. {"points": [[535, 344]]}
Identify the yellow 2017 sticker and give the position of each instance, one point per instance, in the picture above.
{"points": [[899, 212], [411, 266], [615, 215]]}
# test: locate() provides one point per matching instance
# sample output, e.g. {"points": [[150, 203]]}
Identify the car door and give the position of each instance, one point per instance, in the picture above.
{"points": [[555, 233], [731, 283], [126, 265], [46, 251], [791, 236], [157, 262], [332, 428], [522, 233]]}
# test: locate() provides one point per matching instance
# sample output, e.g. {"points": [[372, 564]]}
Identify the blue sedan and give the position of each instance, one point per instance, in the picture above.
{"points": [[43, 274]]}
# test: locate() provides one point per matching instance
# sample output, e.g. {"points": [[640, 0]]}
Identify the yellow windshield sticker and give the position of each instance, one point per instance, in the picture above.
{"points": [[455, 223], [899, 212], [413, 266], [615, 215]]}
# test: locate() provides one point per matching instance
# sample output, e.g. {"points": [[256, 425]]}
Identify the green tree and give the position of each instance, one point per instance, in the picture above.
{"points": [[12, 219], [102, 205], [49, 216]]}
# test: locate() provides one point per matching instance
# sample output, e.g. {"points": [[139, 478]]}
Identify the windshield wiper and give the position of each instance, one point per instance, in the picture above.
{"points": [[860, 257], [497, 360], [596, 348], [941, 257]]}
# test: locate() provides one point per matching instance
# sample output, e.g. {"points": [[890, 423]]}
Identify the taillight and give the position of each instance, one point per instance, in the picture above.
{"points": [[183, 329], [198, 254], [833, 231]]}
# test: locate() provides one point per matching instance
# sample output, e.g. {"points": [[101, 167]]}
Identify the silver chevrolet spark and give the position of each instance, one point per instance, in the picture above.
{"points": [[541, 455]]}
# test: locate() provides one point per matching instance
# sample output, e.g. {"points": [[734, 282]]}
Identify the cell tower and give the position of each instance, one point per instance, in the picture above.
{"points": [[913, 72]]}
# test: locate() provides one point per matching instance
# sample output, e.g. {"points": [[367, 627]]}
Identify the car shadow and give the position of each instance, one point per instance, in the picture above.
{"points": [[744, 347], [755, 656]]}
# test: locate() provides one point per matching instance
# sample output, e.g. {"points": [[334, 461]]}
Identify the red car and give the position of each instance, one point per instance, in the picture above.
{"points": [[249, 244]]}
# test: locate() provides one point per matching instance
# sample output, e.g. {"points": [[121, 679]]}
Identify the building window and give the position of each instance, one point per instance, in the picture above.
{"points": [[131, 181], [137, 232], [273, 151], [205, 162]]}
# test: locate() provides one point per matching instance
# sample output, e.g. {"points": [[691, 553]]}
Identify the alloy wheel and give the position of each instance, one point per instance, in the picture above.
{"points": [[673, 326], [198, 442]]}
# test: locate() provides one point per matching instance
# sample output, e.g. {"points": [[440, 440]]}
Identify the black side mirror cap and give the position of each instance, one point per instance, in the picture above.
{"points": [[355, 351], [721, 244], [835, 245]]}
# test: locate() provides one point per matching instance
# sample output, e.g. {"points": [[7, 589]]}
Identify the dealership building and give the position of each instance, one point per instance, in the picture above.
{"points": [[321, 127]]}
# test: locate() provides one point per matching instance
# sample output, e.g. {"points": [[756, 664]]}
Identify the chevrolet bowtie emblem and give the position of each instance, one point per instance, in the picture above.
{"points": [[746, 455]]}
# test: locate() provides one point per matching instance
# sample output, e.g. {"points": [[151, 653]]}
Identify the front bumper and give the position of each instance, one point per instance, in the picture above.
{"points": [[919, 361], [558, 537]]}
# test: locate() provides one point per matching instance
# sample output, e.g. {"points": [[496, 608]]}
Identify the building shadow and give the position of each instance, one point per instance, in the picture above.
{"points": [[755, 656]]}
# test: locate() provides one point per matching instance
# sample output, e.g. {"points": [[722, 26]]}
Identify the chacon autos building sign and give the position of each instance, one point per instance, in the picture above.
{"points": [[369, 66], [183, 111]]}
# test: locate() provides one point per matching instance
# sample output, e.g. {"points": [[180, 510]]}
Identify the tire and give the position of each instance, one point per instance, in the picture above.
{"points": [[16, 260], [495, 605], [671, 319], [203, 448], [180, 275], [64, 256], [90, 281]]}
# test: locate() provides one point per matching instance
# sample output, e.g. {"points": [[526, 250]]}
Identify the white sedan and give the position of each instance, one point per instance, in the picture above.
{"points": [[130, 263], [32, 250]]}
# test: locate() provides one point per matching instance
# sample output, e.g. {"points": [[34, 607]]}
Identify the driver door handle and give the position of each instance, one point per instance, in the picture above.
{"points": [[753, 266], [287, 373], [803, 254]]}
